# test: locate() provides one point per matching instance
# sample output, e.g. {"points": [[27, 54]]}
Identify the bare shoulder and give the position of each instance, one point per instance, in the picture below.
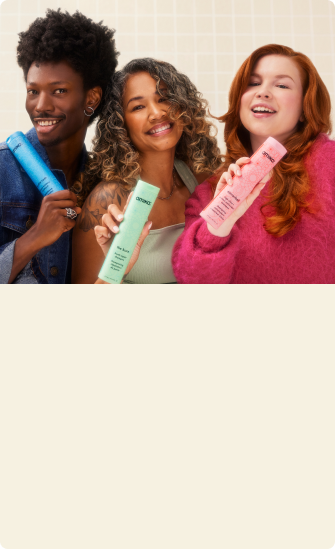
{"points": [[97, 202]]}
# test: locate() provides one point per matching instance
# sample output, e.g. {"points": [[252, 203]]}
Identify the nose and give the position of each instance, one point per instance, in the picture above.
{"points": [[156, 111], [44, 103], [263, 91]]}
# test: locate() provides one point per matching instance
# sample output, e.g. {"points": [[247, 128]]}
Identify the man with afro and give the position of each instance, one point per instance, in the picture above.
{"points": [[67, 61]]}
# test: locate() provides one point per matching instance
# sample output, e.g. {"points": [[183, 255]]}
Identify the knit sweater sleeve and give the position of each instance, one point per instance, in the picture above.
{"points": [[198, 256]]}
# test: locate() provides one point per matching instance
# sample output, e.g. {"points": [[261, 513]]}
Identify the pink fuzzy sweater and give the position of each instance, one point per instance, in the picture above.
{"points": [[249, 255]]}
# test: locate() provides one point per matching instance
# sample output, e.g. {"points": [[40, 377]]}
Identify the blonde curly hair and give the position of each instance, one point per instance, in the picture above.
{"points": [[114, 157]]}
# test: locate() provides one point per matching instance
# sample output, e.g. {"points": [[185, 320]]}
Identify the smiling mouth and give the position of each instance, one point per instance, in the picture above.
{"points": [[47, 122], [262, 109], [162, 128]]}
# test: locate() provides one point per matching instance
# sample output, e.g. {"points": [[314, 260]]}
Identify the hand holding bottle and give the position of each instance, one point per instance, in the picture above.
{"points": [[226, 179], [110, 226]]}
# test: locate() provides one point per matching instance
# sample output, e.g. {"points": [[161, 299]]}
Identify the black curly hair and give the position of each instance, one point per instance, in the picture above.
{"points": [[87, 46]]}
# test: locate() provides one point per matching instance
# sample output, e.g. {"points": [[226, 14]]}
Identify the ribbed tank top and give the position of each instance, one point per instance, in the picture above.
{"points": [[154, 263]]}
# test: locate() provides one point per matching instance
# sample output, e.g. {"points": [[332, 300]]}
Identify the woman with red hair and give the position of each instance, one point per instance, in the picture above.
{"points": [[284, 232]]}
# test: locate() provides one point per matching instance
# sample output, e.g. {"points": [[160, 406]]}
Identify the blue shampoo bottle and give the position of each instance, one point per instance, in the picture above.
{"points": [[33, 164]]}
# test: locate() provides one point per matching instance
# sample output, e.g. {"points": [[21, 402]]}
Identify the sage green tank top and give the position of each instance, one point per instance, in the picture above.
{"points": [[154, 263]]}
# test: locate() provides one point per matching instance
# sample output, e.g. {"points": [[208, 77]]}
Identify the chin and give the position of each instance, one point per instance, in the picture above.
{"points": [[49, 142]]}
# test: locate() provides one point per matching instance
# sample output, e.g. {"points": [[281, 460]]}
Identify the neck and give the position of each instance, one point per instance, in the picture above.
{"points": [[256, 141], [65, 156], [157, 168]]}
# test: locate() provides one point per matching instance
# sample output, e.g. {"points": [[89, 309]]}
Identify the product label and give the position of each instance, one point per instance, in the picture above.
{"points": [[143, 200], [17, 146], [264, 153], [126, 239], [45, 186], [261, 163], [118, 260]]}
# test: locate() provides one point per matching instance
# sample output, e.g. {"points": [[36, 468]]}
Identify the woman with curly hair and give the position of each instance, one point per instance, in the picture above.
{"points": [[153, 127], [288, 235]]}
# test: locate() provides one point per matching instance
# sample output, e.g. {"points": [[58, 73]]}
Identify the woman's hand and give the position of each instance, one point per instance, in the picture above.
{"points": [[226, 179], [109, 227]]}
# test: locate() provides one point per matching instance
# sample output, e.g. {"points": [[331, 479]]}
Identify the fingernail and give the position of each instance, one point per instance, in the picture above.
{"points": [[150, 225], [109, 235], [238, 172], [115, 229], [120, 217]]}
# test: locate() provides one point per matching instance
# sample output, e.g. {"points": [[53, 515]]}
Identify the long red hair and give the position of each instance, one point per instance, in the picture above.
{"points": [[290, 191]]}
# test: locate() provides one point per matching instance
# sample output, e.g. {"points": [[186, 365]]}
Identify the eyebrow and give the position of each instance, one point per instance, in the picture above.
{"points": [[51, 83], [139, 97], [277, 76]]}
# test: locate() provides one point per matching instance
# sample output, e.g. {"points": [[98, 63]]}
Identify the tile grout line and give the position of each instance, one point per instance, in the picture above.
{"points": [[292, 26], [195, 46], [18, 88], [216, 83], [253, 24], [272, 22], [311, 27], [234, 37], [136, 25], [155, 27], [175, 55]]}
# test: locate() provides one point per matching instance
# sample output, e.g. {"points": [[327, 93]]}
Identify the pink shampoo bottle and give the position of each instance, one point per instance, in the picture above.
{"points": [[261, 163]]}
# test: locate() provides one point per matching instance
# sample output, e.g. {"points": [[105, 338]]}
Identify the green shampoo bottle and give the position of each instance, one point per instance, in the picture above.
{"points": [[130, 229]]}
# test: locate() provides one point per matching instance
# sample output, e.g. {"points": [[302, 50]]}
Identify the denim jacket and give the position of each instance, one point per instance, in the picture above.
{"points": [[20, 202]]}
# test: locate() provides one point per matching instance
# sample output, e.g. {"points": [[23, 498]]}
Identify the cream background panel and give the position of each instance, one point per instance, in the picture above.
{"points": [[206, 39]]}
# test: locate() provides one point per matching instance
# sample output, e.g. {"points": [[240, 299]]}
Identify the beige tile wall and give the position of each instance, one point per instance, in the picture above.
{"points": [[206, 39]]}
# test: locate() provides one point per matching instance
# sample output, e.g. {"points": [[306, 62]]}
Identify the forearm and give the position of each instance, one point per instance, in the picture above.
{"points": [[200, 257], [25, 248]]}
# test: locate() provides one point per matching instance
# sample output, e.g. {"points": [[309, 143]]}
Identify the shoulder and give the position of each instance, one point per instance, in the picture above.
{"points": [[3, 147], [106, 193], [322, 151], [30, 135], [320, 166], [184, 169], [97, 202], [320, 162], [4, 153]]}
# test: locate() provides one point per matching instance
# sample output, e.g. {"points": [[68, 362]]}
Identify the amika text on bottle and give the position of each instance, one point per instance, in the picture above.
{"points": [[261, 163]]}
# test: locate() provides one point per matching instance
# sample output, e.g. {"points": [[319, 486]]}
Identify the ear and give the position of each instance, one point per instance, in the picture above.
{"points": [[93, 97], [302, 118]]}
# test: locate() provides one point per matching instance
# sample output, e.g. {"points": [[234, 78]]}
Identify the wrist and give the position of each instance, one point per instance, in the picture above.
{"points": [[222, 231], [33, 241]]}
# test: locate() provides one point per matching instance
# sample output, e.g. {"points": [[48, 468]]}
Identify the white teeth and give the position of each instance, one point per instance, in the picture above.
{"points": [[47, 122], [161, 129], [262, 109]]}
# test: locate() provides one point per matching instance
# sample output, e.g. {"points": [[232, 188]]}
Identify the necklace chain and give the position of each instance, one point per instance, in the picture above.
{"points": [[173, 186]]}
